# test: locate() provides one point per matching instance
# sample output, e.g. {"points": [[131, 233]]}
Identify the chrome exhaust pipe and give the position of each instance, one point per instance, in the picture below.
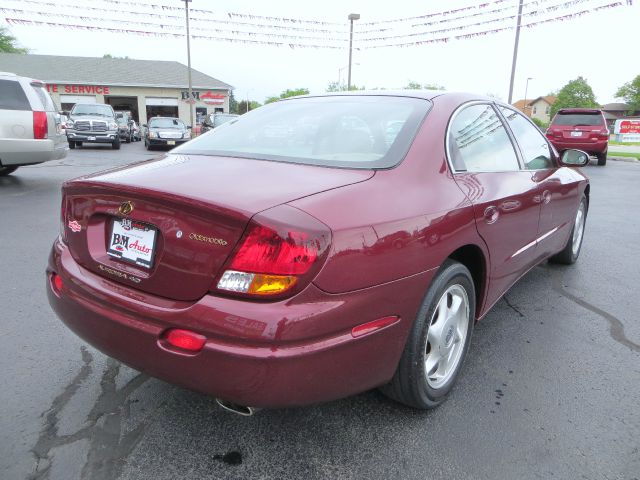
{"points": [[237, 409]]}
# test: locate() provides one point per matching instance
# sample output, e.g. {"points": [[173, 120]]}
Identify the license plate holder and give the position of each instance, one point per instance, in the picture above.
{"points": [[171, 142], [132, 242], [91, 138], [576, 134]]}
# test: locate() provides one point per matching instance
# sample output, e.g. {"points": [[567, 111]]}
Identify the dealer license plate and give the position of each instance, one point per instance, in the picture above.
{"points": [[576, 134], [132, 241], [171, 142]]}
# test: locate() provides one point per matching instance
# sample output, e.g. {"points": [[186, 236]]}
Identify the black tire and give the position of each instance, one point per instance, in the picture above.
{"points": [[7, 170], [78, 144], [127, 139], [116, 144], [602, 159], [568, 255], [148, 146], [72, 145], [410, 384]]}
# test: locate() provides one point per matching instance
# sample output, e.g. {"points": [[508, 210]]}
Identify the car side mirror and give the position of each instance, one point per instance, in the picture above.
{"points": [[574, 158]]}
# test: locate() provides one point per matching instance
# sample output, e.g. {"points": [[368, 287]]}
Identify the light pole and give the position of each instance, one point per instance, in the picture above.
{"points": [[191, 102], [515, 51], [340, 73], [352, 17], [526, 87]]}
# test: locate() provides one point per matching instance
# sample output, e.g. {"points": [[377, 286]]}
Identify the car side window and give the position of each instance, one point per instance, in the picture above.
{"points": [[534, 147], [478, 141]]}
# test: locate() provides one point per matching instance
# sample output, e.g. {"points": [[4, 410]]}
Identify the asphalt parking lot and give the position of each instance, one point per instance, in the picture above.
{"points": [[550, 389]]}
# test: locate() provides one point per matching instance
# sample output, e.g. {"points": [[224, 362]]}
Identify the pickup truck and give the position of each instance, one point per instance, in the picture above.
{"points": [[92, 123]]}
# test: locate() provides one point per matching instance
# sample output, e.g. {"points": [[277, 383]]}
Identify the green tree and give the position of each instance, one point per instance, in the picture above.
{"points": [[630, 93], [7, 43], [575, 94], [427, 86], [541, 125], [233, 103], [288, 93], [337, 87], [242, 106]]}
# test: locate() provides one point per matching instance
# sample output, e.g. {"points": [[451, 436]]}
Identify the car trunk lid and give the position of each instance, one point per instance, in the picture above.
{"points": [[198, 207]]}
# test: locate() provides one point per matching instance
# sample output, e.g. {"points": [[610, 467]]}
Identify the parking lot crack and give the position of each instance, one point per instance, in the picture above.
{"points": [[616, 327], [513, 307]]}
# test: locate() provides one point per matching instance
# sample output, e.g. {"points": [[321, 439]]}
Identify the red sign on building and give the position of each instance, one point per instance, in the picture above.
{"points": [[87, 89]]}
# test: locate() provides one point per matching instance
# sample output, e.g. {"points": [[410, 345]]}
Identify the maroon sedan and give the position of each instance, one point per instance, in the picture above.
{"points": [[317, 247]]}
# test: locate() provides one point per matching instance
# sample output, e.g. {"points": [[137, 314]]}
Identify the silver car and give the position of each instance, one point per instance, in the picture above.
{"points": [[30, 129]]}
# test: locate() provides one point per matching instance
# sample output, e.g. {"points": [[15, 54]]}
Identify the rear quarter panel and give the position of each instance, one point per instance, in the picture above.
{"points": [[401, 222]]}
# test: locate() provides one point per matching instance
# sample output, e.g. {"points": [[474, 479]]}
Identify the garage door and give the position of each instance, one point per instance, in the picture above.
{"points": [[161, 102], [77, 99]]}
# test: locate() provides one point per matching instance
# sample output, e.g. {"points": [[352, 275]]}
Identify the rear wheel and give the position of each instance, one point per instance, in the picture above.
{"points": [[602, 159], [116, 144], [7, 170], [571, 250], [72, 145], [438, 342]]}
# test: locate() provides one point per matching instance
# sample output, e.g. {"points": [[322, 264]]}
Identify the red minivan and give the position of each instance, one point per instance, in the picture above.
{"points": [[580, 128]]}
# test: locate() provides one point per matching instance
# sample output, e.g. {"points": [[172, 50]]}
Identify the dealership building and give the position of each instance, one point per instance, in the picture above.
{"points": [[146, 88]]}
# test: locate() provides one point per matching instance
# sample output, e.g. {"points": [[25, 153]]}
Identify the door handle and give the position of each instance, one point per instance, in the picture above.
{"points": [[546, 196], [491, 214]]}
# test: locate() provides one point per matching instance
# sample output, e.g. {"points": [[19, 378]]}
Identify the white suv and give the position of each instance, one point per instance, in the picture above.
{"points": [[30, 130]]}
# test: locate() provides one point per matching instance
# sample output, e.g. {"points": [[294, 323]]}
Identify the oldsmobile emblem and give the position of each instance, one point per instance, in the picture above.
{"points": [[126, 208]]}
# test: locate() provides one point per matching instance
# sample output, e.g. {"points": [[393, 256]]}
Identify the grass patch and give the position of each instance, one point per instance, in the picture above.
{"points": [[624, 154], [613, 142]]}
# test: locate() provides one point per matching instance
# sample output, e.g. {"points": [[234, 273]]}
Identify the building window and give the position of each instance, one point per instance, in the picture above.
{"points": [[534, 110], [547, 110]]}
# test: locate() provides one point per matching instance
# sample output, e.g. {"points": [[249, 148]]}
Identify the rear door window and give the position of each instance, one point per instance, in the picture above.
{"points": [[533, 146], [12, 97], [579, 119], [478, 142]]}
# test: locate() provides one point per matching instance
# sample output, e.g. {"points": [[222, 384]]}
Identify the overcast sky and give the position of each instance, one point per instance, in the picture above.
{"points": [[600, 46]]}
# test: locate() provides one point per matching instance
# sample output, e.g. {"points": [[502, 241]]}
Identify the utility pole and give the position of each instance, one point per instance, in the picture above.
{"points": [[515, 52], [526, 88], [352, 17], [191, 100]]}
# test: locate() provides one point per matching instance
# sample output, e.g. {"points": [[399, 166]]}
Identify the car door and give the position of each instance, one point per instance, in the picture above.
{"points": [[504, 197], [558, 186]]}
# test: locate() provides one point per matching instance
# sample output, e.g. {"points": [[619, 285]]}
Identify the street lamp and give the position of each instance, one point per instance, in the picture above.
{"points": [[191, 102], [340, 73], [526, 87], [352, 17]]}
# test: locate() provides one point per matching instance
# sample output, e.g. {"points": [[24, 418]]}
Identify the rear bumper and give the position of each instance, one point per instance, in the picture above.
{"points": [[89, 137], [289, 353], [30, 152], [589, 146]]}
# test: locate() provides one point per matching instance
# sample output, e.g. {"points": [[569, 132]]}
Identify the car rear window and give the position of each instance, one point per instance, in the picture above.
{"points": [[12, 97], [336, 131], [590, 119]]}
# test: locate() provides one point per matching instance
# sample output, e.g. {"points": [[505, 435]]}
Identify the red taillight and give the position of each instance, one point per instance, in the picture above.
{"points": [[264, 251], [185, 339], [56, 283], [40, 125], [281, 247]]}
